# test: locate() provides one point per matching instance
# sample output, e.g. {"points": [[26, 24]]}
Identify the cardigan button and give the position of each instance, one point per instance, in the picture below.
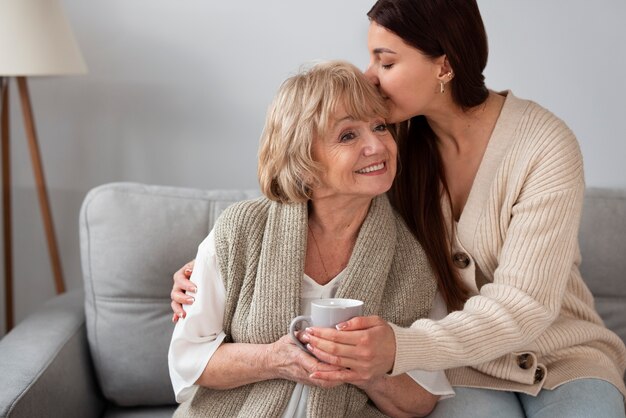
{"points": [[461, 260], [539, 374], [524, 361]]}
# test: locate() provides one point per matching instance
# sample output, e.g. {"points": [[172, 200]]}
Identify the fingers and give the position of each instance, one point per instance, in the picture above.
{"points": [[330, 334], [181, 299], [339, 355], [369, 352], [360, 323], [312, 366], [297, 365], [341, 348], [339, 376], [182, 284], [324, 367], [352, 338], [179, 312]]}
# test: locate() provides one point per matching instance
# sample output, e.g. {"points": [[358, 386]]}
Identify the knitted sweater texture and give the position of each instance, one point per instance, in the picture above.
{"points": [[261, 248], [533, 323]]}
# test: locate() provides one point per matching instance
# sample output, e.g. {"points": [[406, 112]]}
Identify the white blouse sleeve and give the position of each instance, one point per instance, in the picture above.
{"points": [[200, 333], [435, 382]]}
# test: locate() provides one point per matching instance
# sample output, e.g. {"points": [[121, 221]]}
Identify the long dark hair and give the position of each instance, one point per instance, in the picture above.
{"points": [[435, 27]]}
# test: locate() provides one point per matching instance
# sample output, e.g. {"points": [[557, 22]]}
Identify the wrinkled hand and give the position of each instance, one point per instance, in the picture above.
{"points": [[294, 364], [181, 285], [364, 347]]}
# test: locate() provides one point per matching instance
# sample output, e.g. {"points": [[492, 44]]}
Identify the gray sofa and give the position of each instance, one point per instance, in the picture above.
{"points": [[102, 351]]}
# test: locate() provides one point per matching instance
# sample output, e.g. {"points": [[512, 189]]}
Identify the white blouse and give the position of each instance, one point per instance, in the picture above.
{"points": [[200, 333]]}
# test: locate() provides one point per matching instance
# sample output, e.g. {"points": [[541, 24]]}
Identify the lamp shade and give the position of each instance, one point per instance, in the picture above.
{"points": [[36, 39]]}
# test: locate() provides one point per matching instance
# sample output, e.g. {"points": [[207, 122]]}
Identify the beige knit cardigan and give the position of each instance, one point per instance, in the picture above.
{"points": [[532, 325]]}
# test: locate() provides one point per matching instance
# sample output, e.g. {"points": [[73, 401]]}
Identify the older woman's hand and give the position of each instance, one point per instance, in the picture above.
{"points": [[181, 285], [292, 363], [364, 347]]}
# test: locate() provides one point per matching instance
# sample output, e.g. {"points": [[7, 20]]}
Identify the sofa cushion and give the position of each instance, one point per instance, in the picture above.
{"points": [[133, 237], [603, 248]]}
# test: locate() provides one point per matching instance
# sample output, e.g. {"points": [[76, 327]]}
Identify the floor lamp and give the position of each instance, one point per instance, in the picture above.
{"points": [[35, 40]]}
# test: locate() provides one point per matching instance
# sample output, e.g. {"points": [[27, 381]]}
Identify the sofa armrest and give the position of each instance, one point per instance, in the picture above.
{"points": [[45, 364]]}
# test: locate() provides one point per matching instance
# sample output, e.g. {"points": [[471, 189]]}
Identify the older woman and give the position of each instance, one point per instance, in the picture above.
{"points": [[324, 229]]}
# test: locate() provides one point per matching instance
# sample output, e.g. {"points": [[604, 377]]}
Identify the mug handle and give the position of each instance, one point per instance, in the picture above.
{"points": [[292, 329]]}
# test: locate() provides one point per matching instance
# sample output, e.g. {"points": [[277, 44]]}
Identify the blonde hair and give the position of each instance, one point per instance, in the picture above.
{"points": [[301, 111]]}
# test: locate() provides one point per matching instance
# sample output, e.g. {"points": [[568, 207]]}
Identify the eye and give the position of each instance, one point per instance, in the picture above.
{"points": [[386, 66], [380, 127], [347, 136]]}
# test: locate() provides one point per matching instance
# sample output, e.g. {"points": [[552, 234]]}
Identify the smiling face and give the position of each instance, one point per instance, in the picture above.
{"points": [[357, 157], [325, 135], [406, 77]]}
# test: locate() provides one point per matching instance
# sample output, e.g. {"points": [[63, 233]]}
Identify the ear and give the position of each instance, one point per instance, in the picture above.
{"points": [[445, 70], [445, 73]]}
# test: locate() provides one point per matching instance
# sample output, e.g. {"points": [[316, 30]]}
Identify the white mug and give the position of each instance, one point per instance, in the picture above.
{"points": [[327, 313]]}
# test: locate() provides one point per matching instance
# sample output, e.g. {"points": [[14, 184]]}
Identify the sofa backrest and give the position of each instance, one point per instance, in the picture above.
{"points": [[603, 247], [133, 237]]}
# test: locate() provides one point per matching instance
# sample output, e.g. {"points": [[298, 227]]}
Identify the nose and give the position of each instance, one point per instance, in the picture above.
{"points": [[372, 145], [370, 74]]}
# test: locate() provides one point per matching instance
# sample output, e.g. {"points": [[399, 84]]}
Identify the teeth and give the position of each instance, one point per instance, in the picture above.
{"points": [[371, 168]]}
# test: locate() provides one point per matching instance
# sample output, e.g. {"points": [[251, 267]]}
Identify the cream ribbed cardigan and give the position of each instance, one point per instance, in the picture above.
{"points": [[533, 323]]}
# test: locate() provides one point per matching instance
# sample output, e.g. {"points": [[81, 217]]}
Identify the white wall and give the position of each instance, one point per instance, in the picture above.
{"points": [[177, 92]]}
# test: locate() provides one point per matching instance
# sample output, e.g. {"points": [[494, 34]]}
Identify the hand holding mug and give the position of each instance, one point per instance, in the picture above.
{"points": [[364, 346], [289, 362], [326, 313]]}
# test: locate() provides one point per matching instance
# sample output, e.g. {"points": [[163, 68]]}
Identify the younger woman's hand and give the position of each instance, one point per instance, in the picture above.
{"points": [[363, 347], [181, 285]]}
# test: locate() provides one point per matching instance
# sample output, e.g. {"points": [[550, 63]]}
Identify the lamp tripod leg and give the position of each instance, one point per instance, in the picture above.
{"points": [[42, 191], [6, 205]]}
